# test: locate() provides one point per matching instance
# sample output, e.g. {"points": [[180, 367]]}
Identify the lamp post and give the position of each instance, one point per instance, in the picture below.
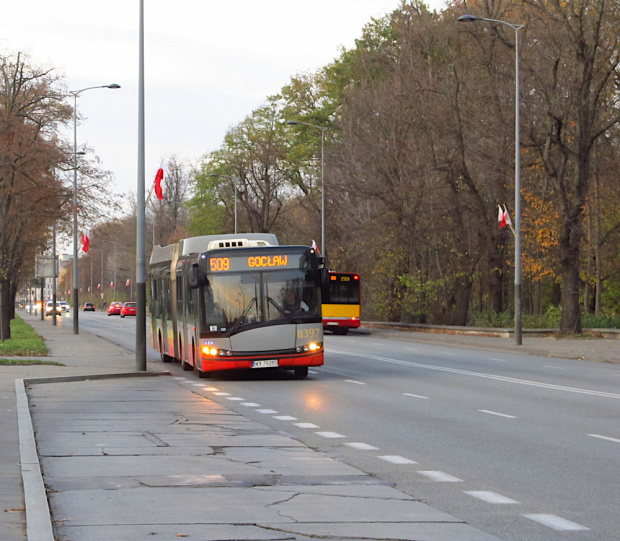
{"points": [[76, 93], [323, 210], [518, 274]]}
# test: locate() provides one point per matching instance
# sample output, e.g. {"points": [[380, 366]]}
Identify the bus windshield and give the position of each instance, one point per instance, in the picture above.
{"points": [[237, 301]]}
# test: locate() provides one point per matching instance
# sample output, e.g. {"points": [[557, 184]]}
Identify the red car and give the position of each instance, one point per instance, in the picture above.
{"points": [[115, 308], [128, 309]]}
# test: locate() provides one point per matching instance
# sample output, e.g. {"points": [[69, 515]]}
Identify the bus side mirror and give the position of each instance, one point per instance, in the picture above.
{"points": [[324, 271], [196, 277]]}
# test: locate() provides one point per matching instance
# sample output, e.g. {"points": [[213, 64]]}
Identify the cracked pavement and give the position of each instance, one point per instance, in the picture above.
{"points": [[147, 458]]}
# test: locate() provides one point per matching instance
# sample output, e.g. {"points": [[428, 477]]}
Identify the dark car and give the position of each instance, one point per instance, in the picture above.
{"points": [[89, 307], [128, 309], [115, 308]]}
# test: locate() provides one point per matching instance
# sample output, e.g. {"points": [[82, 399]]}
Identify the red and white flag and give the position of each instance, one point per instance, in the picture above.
{"points": [[111, 284], [159, 176], [86, 241], [503, 217], [128, 283], [315, 247]]}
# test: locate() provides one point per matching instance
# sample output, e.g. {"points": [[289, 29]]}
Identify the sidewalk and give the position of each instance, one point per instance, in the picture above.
{"points": [[136, 457]]}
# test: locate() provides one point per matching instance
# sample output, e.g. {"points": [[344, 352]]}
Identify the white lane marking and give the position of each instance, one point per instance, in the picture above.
{"points": [[330, 435], [221, 394], [362, 446], [284, 418], [197, 384], [412, 349], [306, 425], [180, 379], [251, 404], [235, 398], [554, 367], [440, 477], [482, 375], [490, 497], [604, 438], [417, 396], [266, 411], [557, 523], [353, 381], [498, 414], [211, 389], [395, 459], [312, 372], [496, 359]]}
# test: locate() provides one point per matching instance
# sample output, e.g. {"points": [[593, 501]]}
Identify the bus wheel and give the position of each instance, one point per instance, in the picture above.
{"points": [[301, 371]]}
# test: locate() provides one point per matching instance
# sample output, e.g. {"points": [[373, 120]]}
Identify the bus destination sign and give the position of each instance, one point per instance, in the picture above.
{"points": [[237, 263]]}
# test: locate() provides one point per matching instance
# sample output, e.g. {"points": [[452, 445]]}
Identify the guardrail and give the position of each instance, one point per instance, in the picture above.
{"points": [[482, 331]]}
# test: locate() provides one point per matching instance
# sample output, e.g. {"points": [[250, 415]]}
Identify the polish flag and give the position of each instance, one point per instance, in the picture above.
{"points": [[128, 283], [111, 284], [86, 240], [315, 247], [159, 176], [503, 217]]}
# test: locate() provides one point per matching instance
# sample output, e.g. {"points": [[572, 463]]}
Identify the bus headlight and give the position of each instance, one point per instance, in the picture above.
{"points": [[312, 346], [210, 351]]}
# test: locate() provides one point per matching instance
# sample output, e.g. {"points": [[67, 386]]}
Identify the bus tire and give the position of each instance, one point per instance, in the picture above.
{"points": [[301, 372]]}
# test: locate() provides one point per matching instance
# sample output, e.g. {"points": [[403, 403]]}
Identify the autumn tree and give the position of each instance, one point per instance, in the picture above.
{"points": [[31, 109], [574, 104]]}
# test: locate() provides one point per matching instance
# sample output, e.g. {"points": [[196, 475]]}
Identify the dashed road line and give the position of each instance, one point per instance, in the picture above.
{"points": [[361, 446], [496, 359], [284, 418], [356, 382], [306, 425], [330, 435], [498, 414], [491, 497], [440, 477], [416, 396], [235, 398], [395, 459], [251, 405], [220, 393], [266, 411], [557, 523], [607, 438]]}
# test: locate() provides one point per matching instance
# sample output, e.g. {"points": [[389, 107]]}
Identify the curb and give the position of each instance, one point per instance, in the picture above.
{"points": [[38, 518]]}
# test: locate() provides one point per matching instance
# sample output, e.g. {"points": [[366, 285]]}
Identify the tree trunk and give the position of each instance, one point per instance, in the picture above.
{"points": [[570, 322], [5, 310]]}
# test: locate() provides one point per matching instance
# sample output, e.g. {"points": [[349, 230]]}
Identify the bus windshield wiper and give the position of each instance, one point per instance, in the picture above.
{"points": [[242, 317], [279, 309]]}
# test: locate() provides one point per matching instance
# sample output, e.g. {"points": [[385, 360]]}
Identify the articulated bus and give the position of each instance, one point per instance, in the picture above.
{"points": [[223, 302], [342, 308]]}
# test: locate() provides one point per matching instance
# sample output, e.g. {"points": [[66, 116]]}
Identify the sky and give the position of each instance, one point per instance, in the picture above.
{"points": [[208, 65]]}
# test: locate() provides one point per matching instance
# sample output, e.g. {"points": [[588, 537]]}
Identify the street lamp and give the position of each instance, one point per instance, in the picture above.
{"points": [[76, 93], [518, 279], [323, 210]]}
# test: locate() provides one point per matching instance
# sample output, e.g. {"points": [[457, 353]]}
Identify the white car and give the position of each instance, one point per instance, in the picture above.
{"points": [[64, 305], [49, 307]]}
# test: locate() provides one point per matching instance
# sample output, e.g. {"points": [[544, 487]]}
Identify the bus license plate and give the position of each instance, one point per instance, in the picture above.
{"points": [[266, 363]]}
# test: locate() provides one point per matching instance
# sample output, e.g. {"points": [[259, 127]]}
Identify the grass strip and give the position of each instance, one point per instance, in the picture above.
{"points": [[24, 342]]}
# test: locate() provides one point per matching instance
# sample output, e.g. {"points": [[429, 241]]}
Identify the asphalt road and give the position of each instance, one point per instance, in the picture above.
{"points": [[521, 447]]}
